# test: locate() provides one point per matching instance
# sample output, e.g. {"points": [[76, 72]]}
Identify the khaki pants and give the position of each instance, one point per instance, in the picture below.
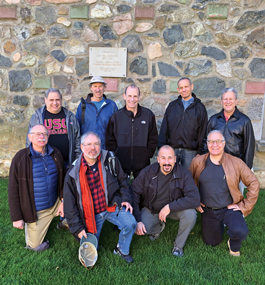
{"points": [[36, 232]]}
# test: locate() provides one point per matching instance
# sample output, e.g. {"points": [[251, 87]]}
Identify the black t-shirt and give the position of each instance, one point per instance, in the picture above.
{"points": [[213, 186], [56, 126], [163, 191]]}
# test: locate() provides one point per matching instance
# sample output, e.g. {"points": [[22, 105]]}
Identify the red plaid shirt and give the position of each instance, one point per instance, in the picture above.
{"points": [[95, 186]]}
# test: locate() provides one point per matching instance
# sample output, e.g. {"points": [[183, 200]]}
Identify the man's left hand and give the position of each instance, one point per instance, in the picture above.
{"points": [[233, 207], [60, 210], [164, 213], [128, 206]]}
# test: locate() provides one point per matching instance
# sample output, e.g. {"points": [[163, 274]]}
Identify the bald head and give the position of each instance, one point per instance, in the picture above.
{"points": [[166, 158]]}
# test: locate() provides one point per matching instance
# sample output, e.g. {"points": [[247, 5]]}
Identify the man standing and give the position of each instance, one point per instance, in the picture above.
{"points": [[165, 190], [235, 126], [132, 133], [217, 175], [63, 127], [184, 124], [94, 113], [35, 188], [96, 189]]}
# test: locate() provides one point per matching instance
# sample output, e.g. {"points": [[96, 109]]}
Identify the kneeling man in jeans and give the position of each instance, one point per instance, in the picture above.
{"points": [[166, 190]]}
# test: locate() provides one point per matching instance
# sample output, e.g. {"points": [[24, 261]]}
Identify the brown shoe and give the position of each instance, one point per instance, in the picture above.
{"points": [[234, 253]]}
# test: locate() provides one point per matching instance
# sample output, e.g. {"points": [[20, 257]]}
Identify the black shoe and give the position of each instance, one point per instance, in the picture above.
{"points": [[177, 251], [61, 226], [127, 257]]}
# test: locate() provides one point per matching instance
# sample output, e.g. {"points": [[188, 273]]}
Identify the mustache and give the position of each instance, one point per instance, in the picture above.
{"points": [[167, 165]]}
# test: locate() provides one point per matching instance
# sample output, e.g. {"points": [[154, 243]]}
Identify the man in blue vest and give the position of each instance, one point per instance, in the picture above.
{"points": [[35, 190]]}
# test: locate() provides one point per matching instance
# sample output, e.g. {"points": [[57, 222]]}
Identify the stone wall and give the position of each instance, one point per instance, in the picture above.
{"points": [[46, 43]]}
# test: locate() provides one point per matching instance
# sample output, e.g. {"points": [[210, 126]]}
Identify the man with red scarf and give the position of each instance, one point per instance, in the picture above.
{"points": [[97, 189]]}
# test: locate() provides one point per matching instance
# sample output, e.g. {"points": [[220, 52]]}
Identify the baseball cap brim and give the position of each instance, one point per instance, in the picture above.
{"points": [[90, 238], [87, 253]]}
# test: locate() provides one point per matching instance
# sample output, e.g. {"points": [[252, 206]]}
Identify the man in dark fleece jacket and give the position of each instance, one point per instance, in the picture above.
{"points": [[132, 133], [165, 190], [184, 124]]}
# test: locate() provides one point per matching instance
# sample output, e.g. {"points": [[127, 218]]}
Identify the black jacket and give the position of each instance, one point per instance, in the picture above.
{"points": [[238, 133], [184, 128], [183, 191], [116, 191], [133, 139]]}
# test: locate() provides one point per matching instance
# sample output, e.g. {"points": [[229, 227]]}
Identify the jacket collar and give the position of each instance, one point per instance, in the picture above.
{"points": [[176, 170], [196, 99], [130, 113], [236, 114]]}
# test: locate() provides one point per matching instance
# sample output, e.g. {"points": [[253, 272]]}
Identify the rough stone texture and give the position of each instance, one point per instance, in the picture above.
{"points": [[79, 25], [21, 33], [19, 81], [58, 55], [89, 35], [241, 52], [45, 15], [205, 38], [144, 12], [257, 68], [82, 66], [254, 87], [39, 46], [63, 10], [153, 70], [139, 66], [241, 73], [133, 44], [143, 27], [213, 52], [257, 37], [8, 12], [25, 14], [57, 32], [250, 19], [160, 22], [183, 15], [197, 67], [34, 2], [64, 21], [17, 56], [159, 86], [79, 12], [107, 33], [9, 47], [101, 12], [254, 111], [60, 81], [29, 60], [122, 24], [173, 34], [165, 8], [62, 1], [123, 8], [75, 47], [208, 87], [52, 67], [224, 69], [5, 61], [187, 49], [226, 40], [41, 83], [21, 100], [154, 51], [168, 70]]}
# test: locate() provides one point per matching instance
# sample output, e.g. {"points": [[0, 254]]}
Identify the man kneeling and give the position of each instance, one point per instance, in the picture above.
{"points": [[218, 175], [96, 189], [167, 190]]}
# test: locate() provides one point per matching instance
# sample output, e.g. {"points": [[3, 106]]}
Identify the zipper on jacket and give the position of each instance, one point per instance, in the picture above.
{"points": [[132, 144]]}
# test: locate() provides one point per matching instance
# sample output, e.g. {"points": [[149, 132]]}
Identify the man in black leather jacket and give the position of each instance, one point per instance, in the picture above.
{"points": [[235, 126]]}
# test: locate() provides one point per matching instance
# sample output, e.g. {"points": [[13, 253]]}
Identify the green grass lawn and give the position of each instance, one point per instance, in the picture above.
{"points": [[153, 261]]}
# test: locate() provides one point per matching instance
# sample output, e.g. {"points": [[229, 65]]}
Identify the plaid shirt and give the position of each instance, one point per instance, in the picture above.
{"points": [[95, 186]]}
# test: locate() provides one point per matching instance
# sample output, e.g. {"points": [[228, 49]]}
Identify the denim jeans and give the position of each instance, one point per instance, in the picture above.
{"points": [[212, 227], [125, 222], [185, 156]]}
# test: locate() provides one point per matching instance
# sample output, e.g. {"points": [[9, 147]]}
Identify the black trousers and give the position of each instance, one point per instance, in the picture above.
{"points": [[212, 227]]}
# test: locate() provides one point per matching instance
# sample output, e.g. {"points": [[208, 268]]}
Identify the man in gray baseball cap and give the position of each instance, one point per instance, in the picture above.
{"points": [[93, 113]]}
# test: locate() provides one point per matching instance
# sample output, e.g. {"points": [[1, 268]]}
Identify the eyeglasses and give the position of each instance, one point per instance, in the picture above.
{"points": [[92, 144], [39, 134], [218, 142]]}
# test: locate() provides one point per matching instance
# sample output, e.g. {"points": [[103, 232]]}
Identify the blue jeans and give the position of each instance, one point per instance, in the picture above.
{"points": [[185, 156], [125, 222]]}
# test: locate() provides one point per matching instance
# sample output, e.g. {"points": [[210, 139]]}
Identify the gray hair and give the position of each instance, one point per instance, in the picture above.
{"points": [[47, 92], [230, 89], [30, 130], [133, 86], [85, 135], [215, 132], [184, 78]]}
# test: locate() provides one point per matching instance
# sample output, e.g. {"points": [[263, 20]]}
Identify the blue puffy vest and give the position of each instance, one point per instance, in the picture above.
{"points": [[44, 179]]}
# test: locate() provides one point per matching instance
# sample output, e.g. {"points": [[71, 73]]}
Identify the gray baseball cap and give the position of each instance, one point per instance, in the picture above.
{"points": [[87, 253], [97, 79]]}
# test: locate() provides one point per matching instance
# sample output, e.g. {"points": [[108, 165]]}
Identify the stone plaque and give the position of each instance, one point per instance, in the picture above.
{"points": [[217, 11], [107, 62]]}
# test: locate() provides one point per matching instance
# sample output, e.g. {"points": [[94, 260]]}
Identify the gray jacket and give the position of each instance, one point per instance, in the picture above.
{"points": [[73, 130]]}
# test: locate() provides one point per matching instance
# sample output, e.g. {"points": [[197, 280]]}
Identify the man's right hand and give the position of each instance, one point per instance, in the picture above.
{"points": [[81, 234], [199, 209], [19, 224], [140, 229]]}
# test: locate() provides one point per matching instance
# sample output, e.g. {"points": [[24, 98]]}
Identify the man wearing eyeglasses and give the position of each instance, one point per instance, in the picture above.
{"points": [[35, 189], [236, 128], [217, 175], [96, 189]]}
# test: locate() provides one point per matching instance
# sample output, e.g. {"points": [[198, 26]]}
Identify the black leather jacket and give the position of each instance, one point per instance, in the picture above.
{"points": [[184, 128], [238, 133], [184, 193]]}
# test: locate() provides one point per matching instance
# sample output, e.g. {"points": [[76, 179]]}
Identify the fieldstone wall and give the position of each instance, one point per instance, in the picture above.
{"points": [[46, 44]]}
